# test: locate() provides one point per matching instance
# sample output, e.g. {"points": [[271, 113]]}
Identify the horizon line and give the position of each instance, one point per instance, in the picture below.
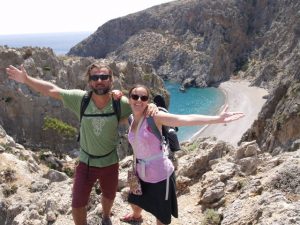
{"points": [[50, 32]]}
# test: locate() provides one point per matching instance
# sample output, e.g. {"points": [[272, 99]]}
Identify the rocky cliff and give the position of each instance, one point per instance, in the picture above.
{"points": [[25, 114], [275, 64], [216, 183], [202, 42]]}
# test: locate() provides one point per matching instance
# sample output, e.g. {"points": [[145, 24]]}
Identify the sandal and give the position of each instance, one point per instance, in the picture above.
{"points": [[130, 219], [106, 221]]}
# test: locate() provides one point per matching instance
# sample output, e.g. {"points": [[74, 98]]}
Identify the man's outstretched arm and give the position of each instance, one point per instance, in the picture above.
{"points": [[44, 87]]}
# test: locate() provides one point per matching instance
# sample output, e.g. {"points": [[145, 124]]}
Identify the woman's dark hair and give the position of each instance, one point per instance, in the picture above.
{"points": [[160, 101]]}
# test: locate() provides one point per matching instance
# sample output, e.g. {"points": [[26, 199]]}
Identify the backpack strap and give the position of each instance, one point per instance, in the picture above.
{"points": [[154, 128], [117, 108], [130, 119], [162, 109], [164, 147], [151, 124], [84, 103]]}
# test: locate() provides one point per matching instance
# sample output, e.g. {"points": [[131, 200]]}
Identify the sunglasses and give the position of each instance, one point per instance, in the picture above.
{"points": [[96, 77], [137, 97]]}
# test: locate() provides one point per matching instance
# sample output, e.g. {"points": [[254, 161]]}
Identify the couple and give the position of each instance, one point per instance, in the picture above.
{"points": [[99, 137]]}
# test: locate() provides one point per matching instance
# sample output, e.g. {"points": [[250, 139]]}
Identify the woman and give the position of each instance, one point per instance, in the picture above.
{"points": [[154, 168]]}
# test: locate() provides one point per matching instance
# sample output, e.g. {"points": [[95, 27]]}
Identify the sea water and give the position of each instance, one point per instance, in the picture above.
{"points": [[61, 43], [206, 101], [193, 101]]}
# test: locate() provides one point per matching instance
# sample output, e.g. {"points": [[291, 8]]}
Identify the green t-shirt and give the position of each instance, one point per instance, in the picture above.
{"points": [[98, 135]]}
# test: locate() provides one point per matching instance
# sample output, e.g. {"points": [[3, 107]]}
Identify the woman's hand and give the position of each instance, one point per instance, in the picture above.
{"points": [[226, 117]]}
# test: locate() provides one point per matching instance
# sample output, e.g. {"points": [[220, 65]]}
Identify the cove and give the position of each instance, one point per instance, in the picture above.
{"points": [[206, 101]]}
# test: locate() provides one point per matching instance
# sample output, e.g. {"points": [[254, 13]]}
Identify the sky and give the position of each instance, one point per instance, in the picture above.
{"points": [[41, 16]]}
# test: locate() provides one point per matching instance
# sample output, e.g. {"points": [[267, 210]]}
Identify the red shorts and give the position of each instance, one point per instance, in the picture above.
{"points": [[85, 177]]}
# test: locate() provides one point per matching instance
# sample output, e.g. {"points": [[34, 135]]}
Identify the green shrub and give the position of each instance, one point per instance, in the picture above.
{"points": [[242, 183], [59, 126], [211, 217], [147, 77], [192, 147], [6, 147], [9, 190], [69, 172], [7, 175], [46, 68], [287, 179]]}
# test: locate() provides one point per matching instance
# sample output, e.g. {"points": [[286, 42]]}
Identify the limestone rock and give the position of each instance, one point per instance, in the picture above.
{"points": [[202, 43]]}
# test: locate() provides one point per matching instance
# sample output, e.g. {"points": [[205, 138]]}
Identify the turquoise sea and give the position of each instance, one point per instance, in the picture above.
{"points": [[194, 100]]}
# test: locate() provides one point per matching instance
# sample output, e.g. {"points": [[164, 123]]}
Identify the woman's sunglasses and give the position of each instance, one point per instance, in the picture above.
{"points": [[96, 77], [137, 97]]}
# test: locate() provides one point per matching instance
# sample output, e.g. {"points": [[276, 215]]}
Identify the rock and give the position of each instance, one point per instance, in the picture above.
{"points": [[295, 146], [204, 49], [55, 176], [204, 41], [51, 217], [2, 132], [2, 149], [182, 184], [248, 165], [213, 194], [38, 186]]}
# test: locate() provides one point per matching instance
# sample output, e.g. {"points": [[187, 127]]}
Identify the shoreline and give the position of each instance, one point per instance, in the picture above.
{"points": [[240, 97]]}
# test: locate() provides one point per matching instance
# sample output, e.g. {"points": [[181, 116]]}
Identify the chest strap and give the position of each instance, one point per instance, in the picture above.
{"points": [[144, 162]]}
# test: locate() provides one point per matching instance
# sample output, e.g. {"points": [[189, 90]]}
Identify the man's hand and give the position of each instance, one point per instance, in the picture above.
{"points": [[44, 87], [117, 94], [19, 75], [151, 110]]}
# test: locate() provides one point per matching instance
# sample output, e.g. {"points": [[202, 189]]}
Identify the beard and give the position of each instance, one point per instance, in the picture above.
{"points": [[101, 90]]}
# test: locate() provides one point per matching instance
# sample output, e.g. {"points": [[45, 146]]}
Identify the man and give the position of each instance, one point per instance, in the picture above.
{"points": [[98, 135]]}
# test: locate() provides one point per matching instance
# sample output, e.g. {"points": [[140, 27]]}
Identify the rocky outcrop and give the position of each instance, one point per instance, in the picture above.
{"points": [[203, 40], [195, 43], [215, 181], [276, 129], [198, 43], [275, 65], [23, 111]]}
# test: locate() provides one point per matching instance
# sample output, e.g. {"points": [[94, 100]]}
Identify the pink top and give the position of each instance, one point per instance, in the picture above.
{"points": [[153, 165]]}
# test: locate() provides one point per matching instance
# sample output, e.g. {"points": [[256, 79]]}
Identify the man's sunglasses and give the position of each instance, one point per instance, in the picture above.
{"points": [[136, 97], [96, 77]]}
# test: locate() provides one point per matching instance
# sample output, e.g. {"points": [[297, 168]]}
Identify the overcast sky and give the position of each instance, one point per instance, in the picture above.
{"points": [[41, 16]]}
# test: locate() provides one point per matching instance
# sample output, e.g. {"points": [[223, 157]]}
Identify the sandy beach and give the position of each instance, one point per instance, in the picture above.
{"points": [[242, 98]]}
